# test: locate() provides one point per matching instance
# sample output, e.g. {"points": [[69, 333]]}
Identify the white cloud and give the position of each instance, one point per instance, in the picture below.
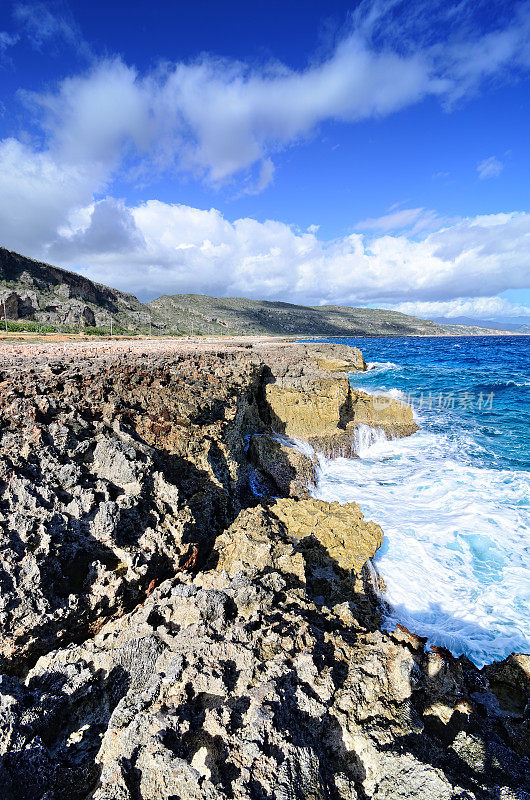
{"points": [[94, 116], [106, 227], [38, 193], [489, 168], [42, 23], [411, 219], [156, 248], [216, 118], [481, 308], [265, 178], [7, 40]]}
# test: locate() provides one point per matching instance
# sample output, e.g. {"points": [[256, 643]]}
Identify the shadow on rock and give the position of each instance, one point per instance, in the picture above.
{"points": [[54, 731]]}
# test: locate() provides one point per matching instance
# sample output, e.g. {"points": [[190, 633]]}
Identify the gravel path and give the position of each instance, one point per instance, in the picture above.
{"points": [[37, 354]]}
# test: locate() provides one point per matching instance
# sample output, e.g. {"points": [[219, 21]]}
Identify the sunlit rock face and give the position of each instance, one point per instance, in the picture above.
{"points": [[314, 401]]}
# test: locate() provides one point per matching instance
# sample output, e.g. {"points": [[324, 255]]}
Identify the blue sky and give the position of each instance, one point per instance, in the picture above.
{"points": [[371, 153]]}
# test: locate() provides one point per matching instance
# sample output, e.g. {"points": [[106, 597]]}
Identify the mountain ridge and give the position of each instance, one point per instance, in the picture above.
{"points": [[239, 315]]}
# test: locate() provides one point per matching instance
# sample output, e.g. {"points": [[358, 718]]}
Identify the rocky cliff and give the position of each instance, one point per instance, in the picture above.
{"points": [[310, 397], [179, 618], [35, 291]]}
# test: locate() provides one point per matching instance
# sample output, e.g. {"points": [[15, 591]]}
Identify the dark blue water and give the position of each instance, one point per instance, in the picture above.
{"points": [[453, 499]]}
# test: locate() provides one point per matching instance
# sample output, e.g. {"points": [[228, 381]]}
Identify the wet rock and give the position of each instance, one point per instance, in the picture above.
{"points": [[292, 471]]}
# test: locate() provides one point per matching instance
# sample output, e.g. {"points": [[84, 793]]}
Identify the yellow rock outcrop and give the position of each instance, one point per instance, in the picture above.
{"points": [[279, 535], [340, 528], [326, 411], [314, 407]]}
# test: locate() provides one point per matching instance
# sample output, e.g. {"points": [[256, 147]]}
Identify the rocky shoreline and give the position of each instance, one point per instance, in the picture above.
{"points": [[181, 619]]}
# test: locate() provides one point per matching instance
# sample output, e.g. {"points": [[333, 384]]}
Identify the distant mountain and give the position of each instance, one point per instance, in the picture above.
{"points": [[490, 324], [33, 290], [238, 315]]}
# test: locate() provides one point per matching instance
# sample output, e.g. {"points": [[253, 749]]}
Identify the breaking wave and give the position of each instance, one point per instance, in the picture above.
{"points": [[453, 501]]}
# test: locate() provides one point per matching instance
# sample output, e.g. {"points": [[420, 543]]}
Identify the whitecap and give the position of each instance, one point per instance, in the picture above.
{"points": [[395, 394], [456, 555], [381, 366]]}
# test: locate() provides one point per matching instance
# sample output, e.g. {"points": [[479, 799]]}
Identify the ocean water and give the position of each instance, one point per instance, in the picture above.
{"points": [[453, 499]]}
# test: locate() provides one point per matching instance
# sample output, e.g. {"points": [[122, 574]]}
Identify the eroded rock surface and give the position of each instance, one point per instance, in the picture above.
{"points": [[114, 475], [339, 528], [261, 676], [312, 399], [167, 634]]}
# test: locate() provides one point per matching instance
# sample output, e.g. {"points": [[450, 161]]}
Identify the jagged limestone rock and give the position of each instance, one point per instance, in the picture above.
{"points": [[340, 528], [114, 476], [256, 541], [393, 416], [331, 357], [326, 412], [237, 682], [254, 667], [307, 408]]}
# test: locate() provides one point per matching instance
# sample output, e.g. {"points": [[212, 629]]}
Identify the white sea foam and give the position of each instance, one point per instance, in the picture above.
{"points": [[381, 366], [298, 444], [456, 551], [366, 438], [395, 394]]}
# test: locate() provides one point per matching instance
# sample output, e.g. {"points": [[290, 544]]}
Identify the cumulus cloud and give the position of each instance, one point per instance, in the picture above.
{"points": [[156, 248], [38, 193], [489, 168], [217, 117], [481, 308], [104, 228]]}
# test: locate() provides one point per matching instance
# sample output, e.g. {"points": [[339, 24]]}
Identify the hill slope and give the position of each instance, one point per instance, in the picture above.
{"points": [[33, 290], [236, 315]]}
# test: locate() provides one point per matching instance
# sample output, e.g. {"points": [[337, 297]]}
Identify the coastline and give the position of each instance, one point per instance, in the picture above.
{"points": [[39, 340], [202, 622]]}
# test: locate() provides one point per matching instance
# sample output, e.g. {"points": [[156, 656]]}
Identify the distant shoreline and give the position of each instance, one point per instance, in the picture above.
{"points": [[34, 339]]}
